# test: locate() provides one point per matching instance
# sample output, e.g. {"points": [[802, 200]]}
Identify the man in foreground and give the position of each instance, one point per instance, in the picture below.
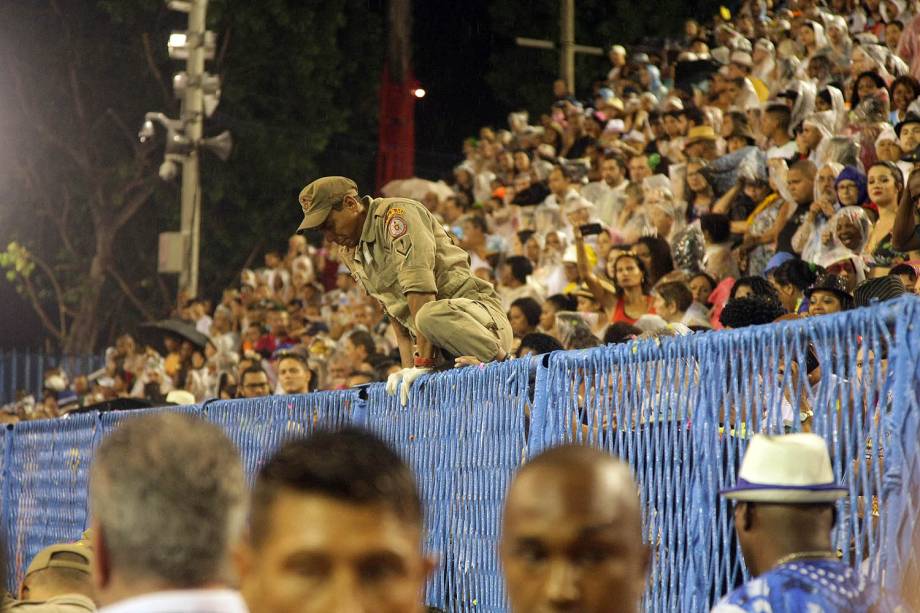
{"points": [[336, 525], [401, 255], [784, 515], [572, 535], [167, 498]]}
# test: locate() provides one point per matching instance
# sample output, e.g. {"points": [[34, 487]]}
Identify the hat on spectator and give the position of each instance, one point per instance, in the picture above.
{"points": [[878, 289], [180, 398], [618, 49], [46, 558], [615, 125], [582, 291], [571, 257], [787, 469], [700, 133], [577, 203], [835, 285], [909, 118], [641, 58], [68, 400], [866, 38], [766, 44], [318, 198], [615, 103], [743, 131], [887, 133], [743, 58], [741, 43], [672, 103], [777, 260], [781, 25], [721, 54], [911, 269]]}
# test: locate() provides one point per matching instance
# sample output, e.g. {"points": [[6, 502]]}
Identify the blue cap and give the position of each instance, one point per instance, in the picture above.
{"points": [[777, 260]]}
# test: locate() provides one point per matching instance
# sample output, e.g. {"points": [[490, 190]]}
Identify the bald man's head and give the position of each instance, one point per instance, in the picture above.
{"points": [[572, 534]]}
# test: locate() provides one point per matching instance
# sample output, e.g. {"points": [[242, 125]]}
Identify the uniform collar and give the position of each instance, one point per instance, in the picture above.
{"points": [[368, 234]]}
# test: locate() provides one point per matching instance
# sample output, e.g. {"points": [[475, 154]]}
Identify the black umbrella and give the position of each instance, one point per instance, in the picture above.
{"points": [[156, 333]]}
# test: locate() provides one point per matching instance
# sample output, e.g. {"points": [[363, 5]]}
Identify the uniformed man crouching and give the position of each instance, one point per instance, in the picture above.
{"points": [[404, 259]]}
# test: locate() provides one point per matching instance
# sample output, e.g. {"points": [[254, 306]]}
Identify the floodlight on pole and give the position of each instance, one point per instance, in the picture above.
{"points": [[418, 92], [180, 82], [146, 132], [180, 43], [148, 129], [183, 6]]}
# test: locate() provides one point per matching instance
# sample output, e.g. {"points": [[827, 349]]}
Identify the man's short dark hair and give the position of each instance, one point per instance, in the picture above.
{"points": [[252, 370], [563, 302], [750, 311], [540, 343], [759, 286], [478, 222], [717, 225], [620, 332], [530, 308], [360, 338], [782, 113], [676, 293], [351, 465], [520, 266], [693, 115], [796, 272], [617, 157]]}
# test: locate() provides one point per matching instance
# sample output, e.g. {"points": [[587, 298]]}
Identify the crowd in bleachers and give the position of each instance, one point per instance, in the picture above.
{"points": [[761, 171]]}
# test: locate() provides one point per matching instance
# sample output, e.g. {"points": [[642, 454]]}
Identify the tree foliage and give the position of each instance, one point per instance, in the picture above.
{"points": [[81, 201]]}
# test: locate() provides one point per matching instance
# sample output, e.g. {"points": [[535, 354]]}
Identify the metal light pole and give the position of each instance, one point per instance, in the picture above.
{"points": [[199, 93], [567, 44], [193, 116]]}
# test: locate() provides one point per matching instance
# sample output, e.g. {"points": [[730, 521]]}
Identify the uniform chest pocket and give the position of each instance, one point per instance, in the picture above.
{"points": [[383, 276]]}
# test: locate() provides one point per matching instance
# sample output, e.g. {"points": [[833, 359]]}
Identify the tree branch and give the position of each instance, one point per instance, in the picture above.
{"points": [[120, 123], [130, 208], [224, 45], [43, 130], [129, 293], [152, 65], [56, 286], [40, 310]]}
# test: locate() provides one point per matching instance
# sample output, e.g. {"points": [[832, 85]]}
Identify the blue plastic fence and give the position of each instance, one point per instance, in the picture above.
{"points": [[679, 410], [24, 370]]}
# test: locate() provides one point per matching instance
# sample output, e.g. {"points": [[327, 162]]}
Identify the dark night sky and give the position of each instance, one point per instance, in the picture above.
{"points": [[453, 44]]}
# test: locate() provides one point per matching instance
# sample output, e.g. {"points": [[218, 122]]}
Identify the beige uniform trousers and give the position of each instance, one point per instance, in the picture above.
{"points": [[462, 326]]}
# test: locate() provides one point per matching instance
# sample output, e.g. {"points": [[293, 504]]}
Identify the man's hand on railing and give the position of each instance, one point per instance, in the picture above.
{"points": [[406, 376], [467, 360]]}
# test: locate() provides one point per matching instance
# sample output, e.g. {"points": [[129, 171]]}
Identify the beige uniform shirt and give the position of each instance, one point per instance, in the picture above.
{"points": [[404, 249]]}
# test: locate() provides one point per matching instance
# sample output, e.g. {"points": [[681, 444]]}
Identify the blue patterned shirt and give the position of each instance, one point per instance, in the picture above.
{"points": [[804, 586]]}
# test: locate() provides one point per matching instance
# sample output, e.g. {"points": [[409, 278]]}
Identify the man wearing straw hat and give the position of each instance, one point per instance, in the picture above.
{"points": [[784, 514]]}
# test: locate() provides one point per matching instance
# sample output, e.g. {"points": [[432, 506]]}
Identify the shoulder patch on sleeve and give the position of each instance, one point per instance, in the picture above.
{"points": [[394, 211], [396, 225]]}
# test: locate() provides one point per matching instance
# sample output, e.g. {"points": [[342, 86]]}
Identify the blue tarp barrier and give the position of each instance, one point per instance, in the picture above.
{"points": [[679, 410]]}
